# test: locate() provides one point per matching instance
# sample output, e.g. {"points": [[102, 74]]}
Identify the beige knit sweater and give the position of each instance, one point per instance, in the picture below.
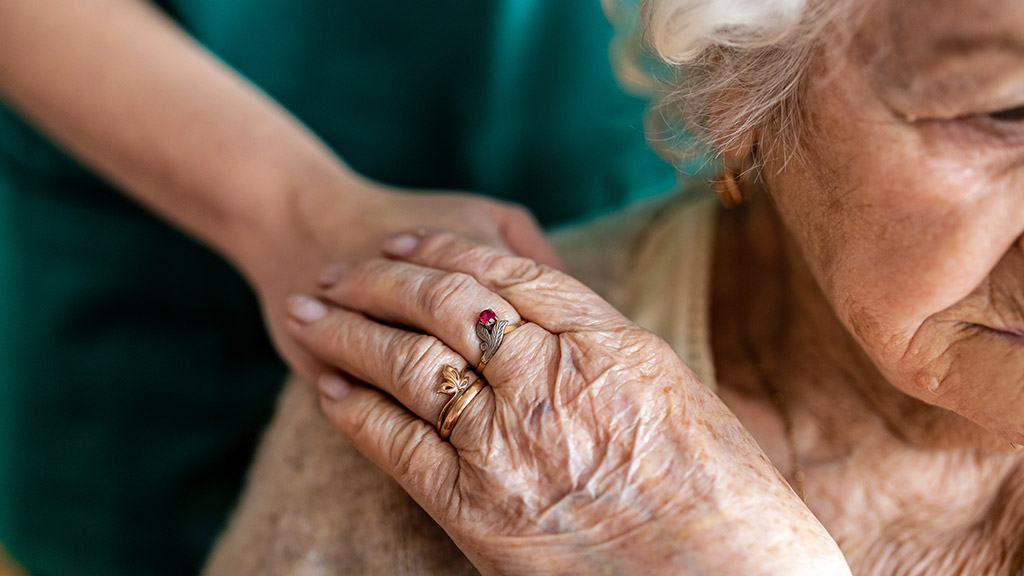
{"points": [[314, 506]]}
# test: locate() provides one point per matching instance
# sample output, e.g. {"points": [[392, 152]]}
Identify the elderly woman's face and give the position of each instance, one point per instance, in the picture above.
{"points": [[910, 208]]}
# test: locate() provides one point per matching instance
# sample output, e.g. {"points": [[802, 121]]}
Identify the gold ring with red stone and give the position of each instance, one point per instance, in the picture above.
{"points": [[491, 331]]}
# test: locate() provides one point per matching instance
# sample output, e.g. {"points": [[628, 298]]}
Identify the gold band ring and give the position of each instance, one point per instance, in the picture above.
{"points": [[450, 415], [491, 333], [457, 384]]}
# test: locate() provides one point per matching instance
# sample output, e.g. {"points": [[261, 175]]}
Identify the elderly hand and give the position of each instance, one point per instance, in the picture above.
{"points": [[593, 449], [348, 220]]}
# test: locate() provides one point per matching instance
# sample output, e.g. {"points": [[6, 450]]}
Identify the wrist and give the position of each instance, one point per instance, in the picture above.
{"points": [[296, 219]]}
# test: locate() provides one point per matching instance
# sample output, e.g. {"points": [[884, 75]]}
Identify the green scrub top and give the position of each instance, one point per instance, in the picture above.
{"points": [[135, 373]]}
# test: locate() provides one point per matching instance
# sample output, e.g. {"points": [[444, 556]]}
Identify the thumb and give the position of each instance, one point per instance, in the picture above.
{"points": [[521, 233]]}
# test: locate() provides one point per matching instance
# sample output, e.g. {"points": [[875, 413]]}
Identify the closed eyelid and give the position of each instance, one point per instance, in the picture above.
{"points": [[1015, 114]]}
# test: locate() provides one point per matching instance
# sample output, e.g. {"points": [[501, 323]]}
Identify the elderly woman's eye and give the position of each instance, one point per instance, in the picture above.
{"points": [[1009, 115]]}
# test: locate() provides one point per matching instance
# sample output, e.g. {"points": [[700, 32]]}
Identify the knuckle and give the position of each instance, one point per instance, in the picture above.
{"points": [[330, 339], [478, 255], [403, 443], [636, 340], [416, 359], [404, 452], [437, 241], [362, 424], [447, 291], [516, 270], [646, 352], [632, 343]]}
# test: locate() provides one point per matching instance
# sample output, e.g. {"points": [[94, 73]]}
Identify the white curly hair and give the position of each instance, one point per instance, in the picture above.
{"points": [[736, 67]]}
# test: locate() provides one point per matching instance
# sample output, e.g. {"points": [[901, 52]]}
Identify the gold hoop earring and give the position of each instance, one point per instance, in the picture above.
{"points": [[727, 188]]}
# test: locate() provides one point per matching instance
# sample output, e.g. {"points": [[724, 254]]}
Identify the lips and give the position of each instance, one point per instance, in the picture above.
{"points": [[1015, 332]]}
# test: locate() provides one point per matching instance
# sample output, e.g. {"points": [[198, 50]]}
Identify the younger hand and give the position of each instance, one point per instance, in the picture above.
{"points": [[350, 225]]}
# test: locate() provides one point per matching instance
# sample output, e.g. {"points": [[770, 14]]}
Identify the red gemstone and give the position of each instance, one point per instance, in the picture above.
{"points": [[488, 316]]}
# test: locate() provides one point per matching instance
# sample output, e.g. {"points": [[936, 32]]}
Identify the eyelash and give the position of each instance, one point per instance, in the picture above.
{"points": [[1005, 126], [1000, 128], [1009, 115]]}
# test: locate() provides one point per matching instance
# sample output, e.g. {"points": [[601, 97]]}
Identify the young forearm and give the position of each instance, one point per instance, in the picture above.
{"points": [[124, 89]]}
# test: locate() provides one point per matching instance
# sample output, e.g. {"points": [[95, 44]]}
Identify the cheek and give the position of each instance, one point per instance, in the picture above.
{"points": [[902, 225], [911, 227], [905, 227], [924, 262]]}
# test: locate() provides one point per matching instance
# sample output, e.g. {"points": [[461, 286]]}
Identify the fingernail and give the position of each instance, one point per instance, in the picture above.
{"points": [[330, 276], [401, 245], [306, 309], [333, 386]]}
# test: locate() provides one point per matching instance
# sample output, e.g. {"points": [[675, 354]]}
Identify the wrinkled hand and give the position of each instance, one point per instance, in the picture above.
{"points": [[326, 227], [594, 450]]}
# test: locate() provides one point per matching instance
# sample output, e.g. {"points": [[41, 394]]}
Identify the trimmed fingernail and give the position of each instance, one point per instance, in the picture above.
{"points": [[333, 386], [401, 245], [305, 309], [330, 276]]}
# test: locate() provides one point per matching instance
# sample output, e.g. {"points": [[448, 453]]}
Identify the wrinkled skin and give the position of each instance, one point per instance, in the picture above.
{"points": [[895, 283], [907, 207], [326, 226], [887, 295], [593, 450]]}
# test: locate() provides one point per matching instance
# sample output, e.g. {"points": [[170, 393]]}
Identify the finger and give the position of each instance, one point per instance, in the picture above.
{"points": [[541, 294], [404, 446], [443, 304], [307, 366], [404, 365], [522, 234]]}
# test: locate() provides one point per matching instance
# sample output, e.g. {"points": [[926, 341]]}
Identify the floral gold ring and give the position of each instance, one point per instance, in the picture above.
{"points": [[462, 393]]}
